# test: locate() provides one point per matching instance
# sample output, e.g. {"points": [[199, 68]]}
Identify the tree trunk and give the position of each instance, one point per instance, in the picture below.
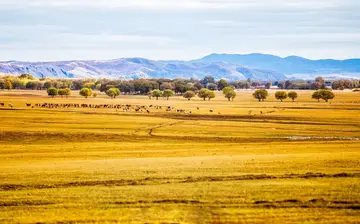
{"points": [[229, 99], [189, 99]]}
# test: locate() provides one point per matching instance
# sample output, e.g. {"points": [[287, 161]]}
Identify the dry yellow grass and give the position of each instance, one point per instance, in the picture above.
{"points": [[282, 163]]}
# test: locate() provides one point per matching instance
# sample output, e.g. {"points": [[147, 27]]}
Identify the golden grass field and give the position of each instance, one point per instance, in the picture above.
{"points": [[282, 163]]}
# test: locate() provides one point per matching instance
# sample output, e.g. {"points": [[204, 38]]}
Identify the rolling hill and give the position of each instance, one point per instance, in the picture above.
{"points": [[229, 66]]}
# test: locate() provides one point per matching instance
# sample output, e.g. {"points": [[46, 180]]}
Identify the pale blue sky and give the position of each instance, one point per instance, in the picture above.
{"points": [[43, 30]]}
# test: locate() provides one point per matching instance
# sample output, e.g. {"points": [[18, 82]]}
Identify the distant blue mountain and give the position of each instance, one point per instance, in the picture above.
{"points": [[289, 65], [135, 68], [261, 67]]}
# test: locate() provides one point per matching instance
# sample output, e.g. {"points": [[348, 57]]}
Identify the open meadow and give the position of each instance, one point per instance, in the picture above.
{"points": [[240, 161]]}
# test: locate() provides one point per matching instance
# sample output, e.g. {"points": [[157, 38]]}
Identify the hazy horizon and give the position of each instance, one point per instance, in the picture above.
{"points": [[175, 59]]}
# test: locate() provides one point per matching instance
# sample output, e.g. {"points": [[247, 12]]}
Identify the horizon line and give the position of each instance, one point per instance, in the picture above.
{"points": [[160, 60]]}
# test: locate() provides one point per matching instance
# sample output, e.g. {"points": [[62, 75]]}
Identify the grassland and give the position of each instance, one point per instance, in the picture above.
{"points": [[246, 162]]}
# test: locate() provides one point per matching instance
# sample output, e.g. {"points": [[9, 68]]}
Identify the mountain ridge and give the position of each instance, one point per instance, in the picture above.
{"points": [[255, 66]]}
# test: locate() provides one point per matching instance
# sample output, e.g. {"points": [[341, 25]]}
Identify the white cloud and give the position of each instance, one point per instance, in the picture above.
{"points": [[177, 29], [174, 4], [126, 4]]}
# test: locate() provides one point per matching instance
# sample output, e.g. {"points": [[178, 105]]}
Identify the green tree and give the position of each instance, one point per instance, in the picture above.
{"points": [[189, 94], [204, 93], [326, 95], [8, 85], [90, 85], [85, 92], [316, 95], [2, 84], [206, 80], [156, 93], [168, 93], [61, 92], [52, 92], [113, 92], [281, 95], [167, 85], [33, 85], [229, 93], [48, 84], [211, 95], [94, 95], [26, 76], [67, 92], [260, 94], [244, 85], [268, 85], [293, 95], [222, 84]]}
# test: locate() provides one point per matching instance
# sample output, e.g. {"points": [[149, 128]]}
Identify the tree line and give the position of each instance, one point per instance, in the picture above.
{"points": [[178, 86]]}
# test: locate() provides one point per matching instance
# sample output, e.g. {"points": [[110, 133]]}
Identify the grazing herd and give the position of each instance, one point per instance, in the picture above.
{"points": [[118, 107]]}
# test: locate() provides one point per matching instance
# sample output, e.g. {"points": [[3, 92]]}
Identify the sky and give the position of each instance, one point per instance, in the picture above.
{"points": [[50, 30]]}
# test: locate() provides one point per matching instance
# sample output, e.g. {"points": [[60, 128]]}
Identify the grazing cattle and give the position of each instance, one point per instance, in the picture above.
{"points": [[250, 111], [10, 105], [198, 108], [261, 112], [28, 104], [211, 111], [148, 111], [2, 104]]}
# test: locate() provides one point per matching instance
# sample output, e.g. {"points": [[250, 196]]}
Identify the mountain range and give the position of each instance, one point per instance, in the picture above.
{"points": [[259, 67]]}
